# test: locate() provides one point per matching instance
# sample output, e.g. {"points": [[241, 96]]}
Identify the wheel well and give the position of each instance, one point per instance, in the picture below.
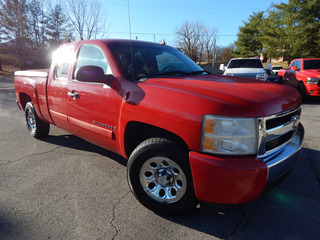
{"points": [[24, 99], [137, 132]]}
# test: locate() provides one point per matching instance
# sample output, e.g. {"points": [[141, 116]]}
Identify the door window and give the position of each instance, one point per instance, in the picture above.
{"points": [[62, 59], [90, 55]]}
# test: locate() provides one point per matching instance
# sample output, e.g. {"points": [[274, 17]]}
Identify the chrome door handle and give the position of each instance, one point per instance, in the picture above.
{"points": [[73, 94]]}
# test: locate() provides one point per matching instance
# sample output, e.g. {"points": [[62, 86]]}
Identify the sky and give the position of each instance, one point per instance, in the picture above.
{"points": [[152, 20]]}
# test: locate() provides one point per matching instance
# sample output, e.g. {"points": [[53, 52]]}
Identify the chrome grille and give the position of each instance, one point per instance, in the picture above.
{"points": [[276, 131]]}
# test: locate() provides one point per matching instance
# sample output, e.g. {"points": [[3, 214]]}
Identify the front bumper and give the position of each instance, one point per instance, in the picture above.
{"points": [[313, 89], [234, 180]]}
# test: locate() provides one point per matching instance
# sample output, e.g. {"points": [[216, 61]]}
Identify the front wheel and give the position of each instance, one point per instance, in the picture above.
{"points": [[159, 175], [36, 126], [280, 80], [302, 90]]}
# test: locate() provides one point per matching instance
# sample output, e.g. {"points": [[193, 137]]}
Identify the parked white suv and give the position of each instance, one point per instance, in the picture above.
{"points": [[245, 67]]}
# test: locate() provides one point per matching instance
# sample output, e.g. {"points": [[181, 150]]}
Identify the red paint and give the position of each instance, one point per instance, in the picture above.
{"points": [[229, 180], [294, 76], [101, 113]]}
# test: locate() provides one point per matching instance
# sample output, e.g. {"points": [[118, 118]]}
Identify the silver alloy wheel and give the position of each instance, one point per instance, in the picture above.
{"points": [[163, 179], [31, 120]]}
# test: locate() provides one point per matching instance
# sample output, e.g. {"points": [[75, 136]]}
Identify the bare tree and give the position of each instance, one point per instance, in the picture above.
{"points": [[195, 40], [87, 18], [226, 53], [210, 44], [188, 39]]}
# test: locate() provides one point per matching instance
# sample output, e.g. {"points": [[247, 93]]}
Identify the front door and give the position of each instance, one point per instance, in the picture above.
{"points": [[93, 107]]}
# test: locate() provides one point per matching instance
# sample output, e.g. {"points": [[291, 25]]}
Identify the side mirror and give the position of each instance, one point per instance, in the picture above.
{"points": [[93, 74], [294, 68], [222, 68]]}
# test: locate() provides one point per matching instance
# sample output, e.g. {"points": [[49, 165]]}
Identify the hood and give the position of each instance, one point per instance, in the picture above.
{"points": [[312, 73], [223, 95], [245, 70]]}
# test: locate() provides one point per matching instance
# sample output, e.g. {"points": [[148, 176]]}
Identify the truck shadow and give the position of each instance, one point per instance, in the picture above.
{"points": [[311, 101], [74, 142], [289, 211]]}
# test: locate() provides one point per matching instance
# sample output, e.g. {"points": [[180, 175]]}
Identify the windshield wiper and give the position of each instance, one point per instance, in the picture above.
{"points": [[198, 72], [173, 73], [179, 73]]}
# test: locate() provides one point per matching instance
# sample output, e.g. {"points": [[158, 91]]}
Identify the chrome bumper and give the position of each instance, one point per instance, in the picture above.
{"points": [[284, 159]]}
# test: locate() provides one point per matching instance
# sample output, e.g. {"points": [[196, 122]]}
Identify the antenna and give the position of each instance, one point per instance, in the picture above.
{"points": [[132, 61], [129, 18]]}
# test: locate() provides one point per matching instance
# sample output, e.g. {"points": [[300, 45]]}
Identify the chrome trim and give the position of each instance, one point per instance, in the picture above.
{"points": [[279, 162], [266, 135]]}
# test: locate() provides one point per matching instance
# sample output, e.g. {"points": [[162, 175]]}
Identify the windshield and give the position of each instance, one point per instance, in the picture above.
{"points": [[139, 61], [312, 64], [245, 63]]}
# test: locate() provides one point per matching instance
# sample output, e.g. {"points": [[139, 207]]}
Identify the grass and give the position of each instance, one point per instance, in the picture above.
{"points": [[8, 70]]}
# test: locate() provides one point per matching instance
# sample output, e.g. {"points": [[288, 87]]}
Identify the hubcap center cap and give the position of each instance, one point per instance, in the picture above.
{"points": [[164, 177]]}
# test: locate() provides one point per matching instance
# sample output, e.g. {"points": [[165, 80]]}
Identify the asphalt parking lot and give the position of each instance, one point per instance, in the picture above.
{"points": [[63, 187]]}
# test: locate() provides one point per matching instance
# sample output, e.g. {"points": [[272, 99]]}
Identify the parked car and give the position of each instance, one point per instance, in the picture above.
{"points": [[276, 69], [245, 67], [304, 75], [272, 76]]}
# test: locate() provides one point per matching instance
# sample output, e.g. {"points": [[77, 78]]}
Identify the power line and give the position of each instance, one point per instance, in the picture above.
{"points": [[180, 7], [165, 34]]}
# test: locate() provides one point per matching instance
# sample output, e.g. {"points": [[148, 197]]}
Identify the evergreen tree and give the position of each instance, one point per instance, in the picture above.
{"points": [[249, 37], [14, 30], [301, 23], [58, 26]]}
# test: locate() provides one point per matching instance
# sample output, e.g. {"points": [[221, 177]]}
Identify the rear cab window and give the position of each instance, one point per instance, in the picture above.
{"points": [[62, 59]]}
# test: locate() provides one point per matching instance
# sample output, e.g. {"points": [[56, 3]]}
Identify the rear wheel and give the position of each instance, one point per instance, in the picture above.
{"points": [[36, 126], [160, 177]]}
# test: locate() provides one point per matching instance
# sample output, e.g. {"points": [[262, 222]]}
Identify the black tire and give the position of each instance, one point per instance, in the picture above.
{"points": [[302, 90], [159, 176], [280, 80], [36, 126]]}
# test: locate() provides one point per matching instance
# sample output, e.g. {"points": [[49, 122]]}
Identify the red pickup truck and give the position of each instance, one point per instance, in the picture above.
{"points": [[188, 135], [304, 75]]}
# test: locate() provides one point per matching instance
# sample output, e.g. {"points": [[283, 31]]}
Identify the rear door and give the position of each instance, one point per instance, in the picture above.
{"points": [[57, 85], [93, 107]]}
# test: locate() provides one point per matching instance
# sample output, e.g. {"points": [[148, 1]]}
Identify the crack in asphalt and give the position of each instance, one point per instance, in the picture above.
{"points": [[27, 156], [114, 215], [241, 225]]}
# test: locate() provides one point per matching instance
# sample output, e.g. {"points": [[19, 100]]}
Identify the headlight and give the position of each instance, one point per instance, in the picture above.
{"points": [[312, 80], [261, 76], [231, 136]]}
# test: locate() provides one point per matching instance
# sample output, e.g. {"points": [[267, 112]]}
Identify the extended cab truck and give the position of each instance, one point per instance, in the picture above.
{"points": [[188, 135], [304, 75]]}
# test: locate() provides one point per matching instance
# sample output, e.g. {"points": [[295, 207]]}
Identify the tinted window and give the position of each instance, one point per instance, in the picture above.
{"points": [[294, 64], [138, 60], [245, 63], [276, 68], [311, 64]]}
